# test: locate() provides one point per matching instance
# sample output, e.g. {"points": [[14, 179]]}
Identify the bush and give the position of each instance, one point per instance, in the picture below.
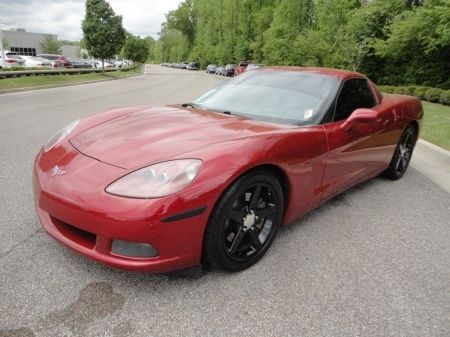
{"points": [[420, 92], [400, 90], [433, 95], [388, 89], [410, 90], [444, 98]]}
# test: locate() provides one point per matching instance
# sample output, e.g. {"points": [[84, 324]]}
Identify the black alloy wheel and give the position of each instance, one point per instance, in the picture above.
{"points": [[244, 222], [402, 155]]}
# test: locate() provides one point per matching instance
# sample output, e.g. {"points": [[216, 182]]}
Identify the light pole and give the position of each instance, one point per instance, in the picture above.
{"points": [[2, 51], [1, 48]]}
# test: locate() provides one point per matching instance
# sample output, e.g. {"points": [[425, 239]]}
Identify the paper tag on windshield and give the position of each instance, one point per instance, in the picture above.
{"points": [[308, 114]]}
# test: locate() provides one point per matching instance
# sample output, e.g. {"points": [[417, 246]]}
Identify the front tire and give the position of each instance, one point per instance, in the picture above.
{"points": [[244, 222], [402, 154]]}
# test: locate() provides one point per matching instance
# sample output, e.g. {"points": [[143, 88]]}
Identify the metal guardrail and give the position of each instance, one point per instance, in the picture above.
{"points": [[73, 71]]}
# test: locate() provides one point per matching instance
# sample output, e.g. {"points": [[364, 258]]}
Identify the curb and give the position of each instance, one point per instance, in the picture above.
{"points": [[437, 152], [433, 162], [52, 86]]}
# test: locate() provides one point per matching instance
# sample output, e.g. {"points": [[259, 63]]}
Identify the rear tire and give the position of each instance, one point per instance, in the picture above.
{"points": [[244, 222], [402, 154]]}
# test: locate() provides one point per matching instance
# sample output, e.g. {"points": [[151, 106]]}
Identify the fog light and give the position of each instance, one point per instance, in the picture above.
{"points": [[133, 249]]}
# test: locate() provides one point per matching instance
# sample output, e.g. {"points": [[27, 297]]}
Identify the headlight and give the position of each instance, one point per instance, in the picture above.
{"points": [[60, 135], [157, 180]]}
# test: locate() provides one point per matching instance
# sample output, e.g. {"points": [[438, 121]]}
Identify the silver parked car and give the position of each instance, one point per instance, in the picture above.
{"points": [[36, 62], [211, 69], [12, 59]]}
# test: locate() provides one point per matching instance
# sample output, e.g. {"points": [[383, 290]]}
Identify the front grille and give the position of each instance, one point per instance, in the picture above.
{"points": [[79, 236]]}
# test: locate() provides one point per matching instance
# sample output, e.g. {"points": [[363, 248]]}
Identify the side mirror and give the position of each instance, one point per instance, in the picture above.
{"points": [[361, 115]]}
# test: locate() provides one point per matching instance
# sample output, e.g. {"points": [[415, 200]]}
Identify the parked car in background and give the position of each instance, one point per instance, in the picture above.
{"points": [[241, 67], [98, 64], [95, 63], [57, 60], [193, 66], [119, 64], [12, 59], [253, 66], [219, 70], [229, 70], [109, 64], [81, 64], [211, 69], [36, 62]]}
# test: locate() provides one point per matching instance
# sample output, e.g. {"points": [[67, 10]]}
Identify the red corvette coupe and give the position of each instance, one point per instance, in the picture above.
{"points": [[209, 183]]}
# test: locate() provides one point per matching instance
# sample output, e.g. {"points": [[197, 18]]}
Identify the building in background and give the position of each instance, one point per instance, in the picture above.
{"points": [[23, 42]]}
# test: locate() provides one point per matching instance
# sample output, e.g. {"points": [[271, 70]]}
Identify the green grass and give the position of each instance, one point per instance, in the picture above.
{"points": [[436, 124], [34, 81]]}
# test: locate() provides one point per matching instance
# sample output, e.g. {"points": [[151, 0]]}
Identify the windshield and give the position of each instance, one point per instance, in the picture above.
{"points": [[286, 97], [13, 56], [49, 57]]}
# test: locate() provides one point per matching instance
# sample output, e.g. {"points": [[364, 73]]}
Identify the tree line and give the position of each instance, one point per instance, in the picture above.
{"points": [[392, 41]]}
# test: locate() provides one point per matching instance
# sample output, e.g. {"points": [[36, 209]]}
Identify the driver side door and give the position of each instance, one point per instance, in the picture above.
{"points": [[357, 153]]}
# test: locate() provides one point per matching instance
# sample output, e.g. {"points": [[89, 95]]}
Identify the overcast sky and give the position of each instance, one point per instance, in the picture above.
{"points": [[63, 17]]}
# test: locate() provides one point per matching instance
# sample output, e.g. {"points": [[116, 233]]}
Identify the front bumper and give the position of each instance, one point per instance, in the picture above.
{"points": [[74, 209]]}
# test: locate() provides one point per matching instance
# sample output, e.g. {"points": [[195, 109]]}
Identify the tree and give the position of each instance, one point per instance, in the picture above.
{"points": [[50, 45], [104, 35], [422, 37], [392, 41], [184, 20], [410, 3], [290, 18], [136, 49], [151, 44], [70, 43], [173, 45]]}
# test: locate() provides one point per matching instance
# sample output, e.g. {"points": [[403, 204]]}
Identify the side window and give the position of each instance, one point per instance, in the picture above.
{"points": [[355, 94]]}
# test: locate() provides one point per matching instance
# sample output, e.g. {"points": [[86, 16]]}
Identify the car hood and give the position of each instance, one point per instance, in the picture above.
{"points": [[161, 133]]}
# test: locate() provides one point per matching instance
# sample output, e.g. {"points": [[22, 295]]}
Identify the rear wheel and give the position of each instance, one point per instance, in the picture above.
{"points": [[402, 155], [244, 222]]}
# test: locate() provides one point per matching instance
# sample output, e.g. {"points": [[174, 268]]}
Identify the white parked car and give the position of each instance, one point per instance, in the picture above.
{"points": [[98, 64], [12, 59], [119, 64], [253, 66], [36, 62]]}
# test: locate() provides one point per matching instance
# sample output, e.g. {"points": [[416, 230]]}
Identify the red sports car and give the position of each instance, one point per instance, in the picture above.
{"points": [[209, 183]]}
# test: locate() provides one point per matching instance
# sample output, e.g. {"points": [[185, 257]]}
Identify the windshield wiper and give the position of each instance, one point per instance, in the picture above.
{"points": [[231, 113], [192, 105], [226, 112]]}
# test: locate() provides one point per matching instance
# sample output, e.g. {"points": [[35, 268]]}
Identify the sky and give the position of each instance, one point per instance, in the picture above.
{"points": [[63, 17]]}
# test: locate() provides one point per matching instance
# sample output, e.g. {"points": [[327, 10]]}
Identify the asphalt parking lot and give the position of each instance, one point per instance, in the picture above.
{"points": [[371, 262]]}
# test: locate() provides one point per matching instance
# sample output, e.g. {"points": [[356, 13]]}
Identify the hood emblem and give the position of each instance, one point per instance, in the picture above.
{"points": [[56, 171]]}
